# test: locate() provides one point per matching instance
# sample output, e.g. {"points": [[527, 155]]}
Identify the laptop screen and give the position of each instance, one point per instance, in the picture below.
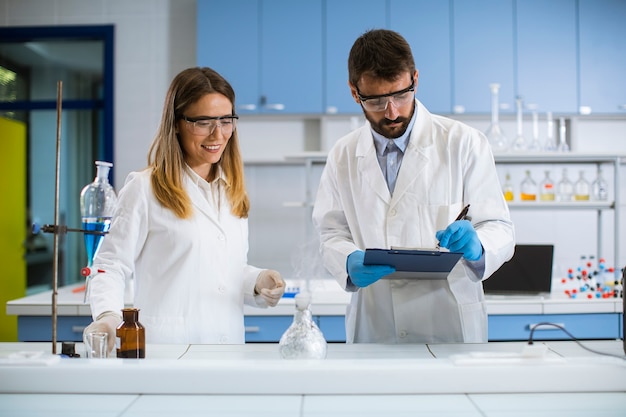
{"points": [[528, 272]]}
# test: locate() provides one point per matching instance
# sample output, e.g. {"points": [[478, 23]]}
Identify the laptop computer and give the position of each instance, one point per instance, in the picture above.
{"points": [[528, 272]]}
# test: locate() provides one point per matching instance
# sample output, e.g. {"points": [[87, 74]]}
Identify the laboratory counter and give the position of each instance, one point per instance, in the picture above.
{"points": [[510, 317], [494, 379]]}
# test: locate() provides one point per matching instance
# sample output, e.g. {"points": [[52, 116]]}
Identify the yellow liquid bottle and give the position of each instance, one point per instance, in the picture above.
{"points": [[507, 189], [528, 188], [581, 188]]}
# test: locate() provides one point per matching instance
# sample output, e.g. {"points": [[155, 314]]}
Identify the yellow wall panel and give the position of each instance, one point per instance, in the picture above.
{"points": [[12, 221]]}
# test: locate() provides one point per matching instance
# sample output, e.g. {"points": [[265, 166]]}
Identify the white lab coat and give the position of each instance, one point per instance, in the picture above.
{"points": [[191, 276], [446, 165]]}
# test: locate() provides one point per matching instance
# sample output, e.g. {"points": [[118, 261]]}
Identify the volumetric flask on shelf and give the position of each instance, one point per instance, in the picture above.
{"points": [[550, 144], [563, 146], [496, 137], [535, 145], [519, 143]]}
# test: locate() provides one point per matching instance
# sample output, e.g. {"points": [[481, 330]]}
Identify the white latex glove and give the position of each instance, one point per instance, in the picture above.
{"points": [[270, 285], [105, 322]]}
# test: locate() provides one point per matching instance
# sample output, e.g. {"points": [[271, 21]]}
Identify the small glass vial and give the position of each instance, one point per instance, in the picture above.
{"points": [[130, 335], [599, 187], [507, 188], [581, 188], [546, 189], [528, 187], [565, 188]]}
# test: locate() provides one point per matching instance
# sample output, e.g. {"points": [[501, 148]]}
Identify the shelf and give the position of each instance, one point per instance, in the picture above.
{"points": [[555, 158], [545, 205]]}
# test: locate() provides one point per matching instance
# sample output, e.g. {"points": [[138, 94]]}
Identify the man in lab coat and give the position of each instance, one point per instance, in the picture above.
{"points": [[400, 181]]}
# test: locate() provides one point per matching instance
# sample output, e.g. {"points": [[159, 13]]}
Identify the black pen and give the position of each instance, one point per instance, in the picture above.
{"points": [[463, 213], [461, 216]]}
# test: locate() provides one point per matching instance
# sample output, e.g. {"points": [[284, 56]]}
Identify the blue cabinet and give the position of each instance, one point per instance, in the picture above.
{"points": [[581, 326], [39, 328], [483, 54], [426, 26], [269, 329], [345, 21], [228, 41], [602, 56], [547, 54], [269, 50]]}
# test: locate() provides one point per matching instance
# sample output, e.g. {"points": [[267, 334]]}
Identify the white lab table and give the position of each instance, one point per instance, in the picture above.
{"points": [[510, 317], [492, 379]]}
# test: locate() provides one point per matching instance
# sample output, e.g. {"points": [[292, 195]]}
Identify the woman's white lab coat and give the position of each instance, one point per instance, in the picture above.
{"points": [[191, 276], [446, 165]]}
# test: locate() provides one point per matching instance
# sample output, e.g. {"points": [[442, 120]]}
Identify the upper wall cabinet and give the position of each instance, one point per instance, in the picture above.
{"points": [[345, 21], [546, 54], [426, 26], [602, 31], [483, 54], [269, 50]]}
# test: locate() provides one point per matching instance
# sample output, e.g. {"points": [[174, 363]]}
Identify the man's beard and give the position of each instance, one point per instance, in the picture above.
{"points": [[382, 127]]}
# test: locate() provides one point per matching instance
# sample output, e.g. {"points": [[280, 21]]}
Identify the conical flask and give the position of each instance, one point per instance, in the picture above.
{"points": [[97, 204], [496, 137], [303, 339]]}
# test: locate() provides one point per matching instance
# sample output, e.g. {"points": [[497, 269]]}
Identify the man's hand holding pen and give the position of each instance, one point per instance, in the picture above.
{"points": [[460, 236]]}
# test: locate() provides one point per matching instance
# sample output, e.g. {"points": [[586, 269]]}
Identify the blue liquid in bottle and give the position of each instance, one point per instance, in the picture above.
{"points": [[93, 241]]}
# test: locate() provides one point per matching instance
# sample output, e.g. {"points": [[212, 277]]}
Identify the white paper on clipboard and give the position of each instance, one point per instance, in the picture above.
{"points": [[413, 263]]}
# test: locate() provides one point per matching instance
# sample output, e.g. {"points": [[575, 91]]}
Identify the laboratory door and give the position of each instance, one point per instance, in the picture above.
{"points": [[32, 62]]}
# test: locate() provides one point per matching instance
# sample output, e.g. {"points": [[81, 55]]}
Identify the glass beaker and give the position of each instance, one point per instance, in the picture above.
{"points": [[519, 143], [546, 188], [494, 133], [565, 188], [303, 339], [599, 187], [528, 188], [507, 188], [581, 188]]}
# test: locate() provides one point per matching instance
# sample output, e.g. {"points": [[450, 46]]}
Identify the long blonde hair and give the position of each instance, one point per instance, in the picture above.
{"points": [[166, 157]]}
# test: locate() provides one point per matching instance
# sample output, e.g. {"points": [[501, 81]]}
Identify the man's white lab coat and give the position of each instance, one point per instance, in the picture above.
{"points": [[446, 165], [191, 276]]}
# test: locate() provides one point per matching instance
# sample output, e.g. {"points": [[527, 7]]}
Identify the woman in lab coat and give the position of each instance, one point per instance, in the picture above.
{"points": [[444, 166], [180, 228]]}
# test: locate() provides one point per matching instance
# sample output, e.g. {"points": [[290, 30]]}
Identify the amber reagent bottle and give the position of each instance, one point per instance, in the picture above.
{"points": [[131, 335]]}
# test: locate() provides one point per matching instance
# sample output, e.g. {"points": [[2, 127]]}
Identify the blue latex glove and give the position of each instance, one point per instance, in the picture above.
{"points": [[460, 236], [364, 275]]}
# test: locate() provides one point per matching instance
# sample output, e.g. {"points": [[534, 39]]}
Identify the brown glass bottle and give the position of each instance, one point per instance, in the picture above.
{"points": [[131, 335]]}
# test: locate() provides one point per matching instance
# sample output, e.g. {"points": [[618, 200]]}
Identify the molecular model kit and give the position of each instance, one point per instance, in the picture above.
{"points": [[591, 279]]}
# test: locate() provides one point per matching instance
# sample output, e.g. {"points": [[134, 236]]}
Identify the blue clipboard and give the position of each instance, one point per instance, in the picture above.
{"points": [[414, 264]]}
